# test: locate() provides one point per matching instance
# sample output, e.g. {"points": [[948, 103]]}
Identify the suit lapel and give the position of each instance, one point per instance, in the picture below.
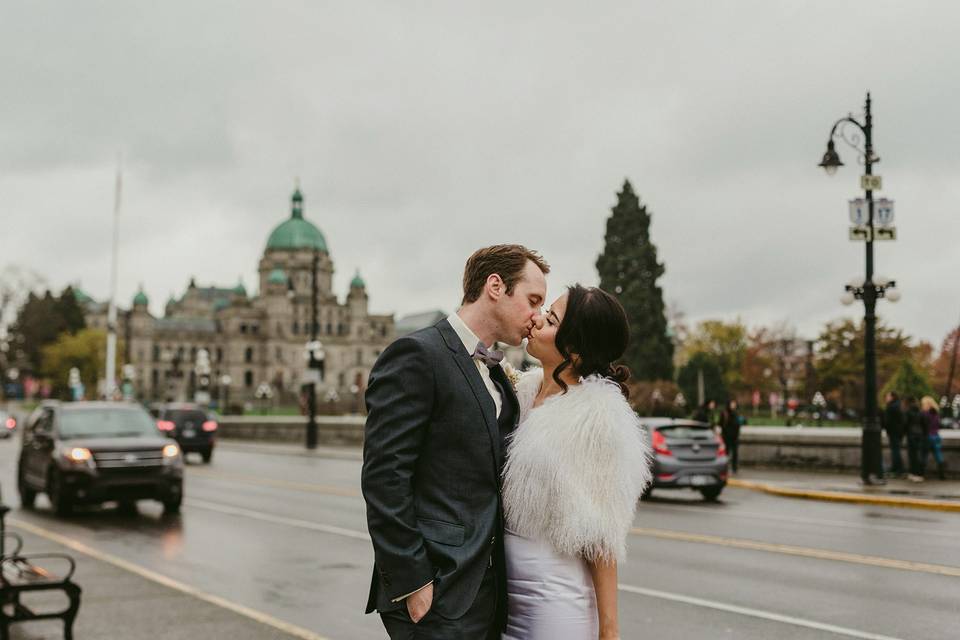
{"points": [[469, 370]]}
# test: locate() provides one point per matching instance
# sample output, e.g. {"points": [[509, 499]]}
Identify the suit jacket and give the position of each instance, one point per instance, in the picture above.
{"points": [[432, 462]]}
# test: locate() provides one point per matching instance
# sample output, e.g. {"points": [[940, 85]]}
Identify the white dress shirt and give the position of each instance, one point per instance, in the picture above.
{"points": [[470, 342]]}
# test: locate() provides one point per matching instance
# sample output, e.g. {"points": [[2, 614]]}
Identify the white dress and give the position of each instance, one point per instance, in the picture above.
{"points": [[576, 466]]}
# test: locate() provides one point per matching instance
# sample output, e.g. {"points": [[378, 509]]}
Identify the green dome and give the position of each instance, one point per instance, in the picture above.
{"points": [[357, 282], [277, 276], [140, 299], [240, 290], [297, 233], [81, 296]]}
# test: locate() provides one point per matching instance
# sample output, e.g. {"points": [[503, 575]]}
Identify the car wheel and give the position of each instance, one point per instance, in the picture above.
{"points": [[62, 504], [27, 495], [711, 493], [207, 455], [171, 506]]}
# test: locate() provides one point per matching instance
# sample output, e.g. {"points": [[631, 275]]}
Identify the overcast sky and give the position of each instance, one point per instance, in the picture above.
{"points": [[423, 130]]}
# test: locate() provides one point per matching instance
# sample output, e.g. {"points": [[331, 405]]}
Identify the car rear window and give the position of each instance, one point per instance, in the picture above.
{"points": [[181, 416], [686, 431], [105, 422]]}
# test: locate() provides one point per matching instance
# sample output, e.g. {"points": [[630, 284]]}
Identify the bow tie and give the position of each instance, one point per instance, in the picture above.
{"points": [[489, 357]]}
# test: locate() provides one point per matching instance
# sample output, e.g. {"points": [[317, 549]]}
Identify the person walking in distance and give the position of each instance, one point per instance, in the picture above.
{"points": [[893, 426], [934, 443], [730, 432], [916, 439]]}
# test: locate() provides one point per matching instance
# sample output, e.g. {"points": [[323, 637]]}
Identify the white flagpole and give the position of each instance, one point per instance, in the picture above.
{"points": [[111, 368]]}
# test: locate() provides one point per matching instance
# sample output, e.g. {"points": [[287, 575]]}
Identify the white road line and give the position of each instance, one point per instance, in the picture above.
{"points": [[754, 613], [265, 517], [864, 526], [253, 614]]}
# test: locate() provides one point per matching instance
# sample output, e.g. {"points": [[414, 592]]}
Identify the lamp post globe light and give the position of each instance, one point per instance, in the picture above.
{"points": [[869, 288]]}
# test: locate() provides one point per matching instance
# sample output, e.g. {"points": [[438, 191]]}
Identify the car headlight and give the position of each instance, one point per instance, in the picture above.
{"points": [[79, 457], [171, 454]]}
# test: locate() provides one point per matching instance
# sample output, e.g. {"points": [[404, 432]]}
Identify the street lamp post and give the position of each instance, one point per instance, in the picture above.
{"points": [[315, 357], [868, 290]]}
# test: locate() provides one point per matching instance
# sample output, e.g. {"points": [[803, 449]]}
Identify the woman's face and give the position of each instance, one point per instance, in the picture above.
{"points": [[542, 343]]}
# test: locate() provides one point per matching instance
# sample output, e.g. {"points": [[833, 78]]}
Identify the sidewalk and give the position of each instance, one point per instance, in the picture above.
{"points": [[940, 495], [123, 601]]}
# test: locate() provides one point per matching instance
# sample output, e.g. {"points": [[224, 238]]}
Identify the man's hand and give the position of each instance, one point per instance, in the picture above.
{"points": [[418, 604]]}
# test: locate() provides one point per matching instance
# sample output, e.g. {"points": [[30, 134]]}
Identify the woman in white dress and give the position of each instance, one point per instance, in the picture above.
{"points": [[576, 467]]}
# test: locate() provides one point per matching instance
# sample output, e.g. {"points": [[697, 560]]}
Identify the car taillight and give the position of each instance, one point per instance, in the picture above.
{"points": [[660, 444], [721, 448], [210, 425], [11, 423], [165, 425]]}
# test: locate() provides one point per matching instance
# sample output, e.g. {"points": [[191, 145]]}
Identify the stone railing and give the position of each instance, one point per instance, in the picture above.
{"points": [[331, 430]]}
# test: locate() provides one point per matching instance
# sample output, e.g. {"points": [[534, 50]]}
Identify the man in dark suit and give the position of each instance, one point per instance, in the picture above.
{"points": [[439, 410]]}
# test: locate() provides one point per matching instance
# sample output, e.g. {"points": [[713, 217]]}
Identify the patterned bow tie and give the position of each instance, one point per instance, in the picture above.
{"points": [[489, 357]]}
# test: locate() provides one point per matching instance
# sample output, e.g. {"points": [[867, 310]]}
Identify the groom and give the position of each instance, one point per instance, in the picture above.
{"points": [[440, 407]]}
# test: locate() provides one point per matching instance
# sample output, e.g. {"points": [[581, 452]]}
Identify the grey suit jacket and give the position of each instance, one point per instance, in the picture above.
{"points": [[432, 458]]}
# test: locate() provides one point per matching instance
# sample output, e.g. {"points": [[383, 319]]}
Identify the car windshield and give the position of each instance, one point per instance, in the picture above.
{"points": [[686, 431], [106, 422]]}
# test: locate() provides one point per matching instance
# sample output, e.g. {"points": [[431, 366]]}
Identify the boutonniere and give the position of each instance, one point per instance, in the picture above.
{"points": [[512, 374]]}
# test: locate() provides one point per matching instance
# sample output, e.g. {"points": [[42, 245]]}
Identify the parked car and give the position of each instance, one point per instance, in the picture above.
{"points": [[94, 452], [8, 424], [687, 454], [190, 425]]}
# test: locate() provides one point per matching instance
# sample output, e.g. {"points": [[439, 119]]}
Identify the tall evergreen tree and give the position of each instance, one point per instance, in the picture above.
{"points": [[629, 269]]}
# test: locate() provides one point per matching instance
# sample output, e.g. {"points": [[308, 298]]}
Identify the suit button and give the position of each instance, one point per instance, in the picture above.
{"points": [[493, 540]]}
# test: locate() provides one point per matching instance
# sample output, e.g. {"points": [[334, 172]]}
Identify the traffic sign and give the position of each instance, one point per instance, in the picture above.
{"points": [[885, 233], [883, 212], [871, 183], [861, 233]]}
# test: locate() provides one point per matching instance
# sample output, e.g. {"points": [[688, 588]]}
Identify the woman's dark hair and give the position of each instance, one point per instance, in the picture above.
{"points": [[596, 330]]}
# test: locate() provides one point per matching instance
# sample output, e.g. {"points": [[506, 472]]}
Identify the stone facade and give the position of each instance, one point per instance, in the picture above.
{"points": [[260, 339]]}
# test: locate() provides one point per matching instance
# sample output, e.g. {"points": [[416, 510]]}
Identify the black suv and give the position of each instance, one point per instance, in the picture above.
{"points": [[92, 452], [190, 425]]}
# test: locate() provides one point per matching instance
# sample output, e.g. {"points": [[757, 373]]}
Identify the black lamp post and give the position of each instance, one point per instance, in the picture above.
{"points": [[869, 290], [315, 358]]}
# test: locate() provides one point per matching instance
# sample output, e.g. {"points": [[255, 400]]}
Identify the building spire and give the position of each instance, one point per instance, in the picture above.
{"points": [[296, 202]]}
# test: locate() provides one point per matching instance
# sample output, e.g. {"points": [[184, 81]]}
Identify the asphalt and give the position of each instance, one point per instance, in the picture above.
{"points": [[123, 601]]}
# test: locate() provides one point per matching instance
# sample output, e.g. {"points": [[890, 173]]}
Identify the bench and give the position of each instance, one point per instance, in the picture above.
{"points": [[20, 574]]}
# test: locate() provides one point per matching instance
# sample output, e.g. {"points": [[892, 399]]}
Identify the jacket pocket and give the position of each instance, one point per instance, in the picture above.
{"points": [[440, 531]]}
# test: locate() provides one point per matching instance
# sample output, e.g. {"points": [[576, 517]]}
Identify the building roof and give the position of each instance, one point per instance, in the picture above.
{"points": [[357, 281], [140, 298], [416, 321], [295, 232]]}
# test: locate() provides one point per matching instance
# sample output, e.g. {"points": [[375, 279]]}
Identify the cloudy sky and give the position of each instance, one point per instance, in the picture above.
{"points": [[422, 130]]}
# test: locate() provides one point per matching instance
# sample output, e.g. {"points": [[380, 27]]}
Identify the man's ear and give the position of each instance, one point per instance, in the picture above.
{"points": [[495, 286]]}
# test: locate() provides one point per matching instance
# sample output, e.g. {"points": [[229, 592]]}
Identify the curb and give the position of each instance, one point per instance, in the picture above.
{"points": [[839, 496]]}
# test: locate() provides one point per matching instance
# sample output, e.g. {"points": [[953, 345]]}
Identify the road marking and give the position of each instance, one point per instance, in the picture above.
{"points": [[841, 496], [161, 579], [666, 534], [266, 517], [332, 490], [754, 613], [805, 552], [811, 521]]}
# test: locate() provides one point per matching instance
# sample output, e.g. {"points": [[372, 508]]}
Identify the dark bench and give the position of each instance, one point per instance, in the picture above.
{"points": [[20, 574]]}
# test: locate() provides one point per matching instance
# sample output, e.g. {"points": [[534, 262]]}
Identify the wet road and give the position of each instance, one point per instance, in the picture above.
{"points": [[285, 535]]}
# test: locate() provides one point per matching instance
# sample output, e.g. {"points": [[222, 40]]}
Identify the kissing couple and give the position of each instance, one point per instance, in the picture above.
{"points": [[499, 502]]}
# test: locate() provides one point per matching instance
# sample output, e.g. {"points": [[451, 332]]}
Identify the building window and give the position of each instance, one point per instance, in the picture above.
{"points": [[248, 378], [359, 357], [329, 329], [248, 355], [383, 331], [156, 352], [155, 379], [219, 354], [243, 328], [296, 328], [279, 354], [193, 354], [254, 328]]}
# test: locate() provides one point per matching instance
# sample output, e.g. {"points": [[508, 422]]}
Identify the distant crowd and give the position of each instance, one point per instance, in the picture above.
{"points": [[919, 423]]}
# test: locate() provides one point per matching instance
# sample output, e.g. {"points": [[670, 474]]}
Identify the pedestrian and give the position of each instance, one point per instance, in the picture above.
{"points": [[934, 443], [730, 431], [916, 428], [706, 412], [893, 425]]}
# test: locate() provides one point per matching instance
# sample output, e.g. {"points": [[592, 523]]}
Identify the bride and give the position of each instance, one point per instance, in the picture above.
{"points": [[575, 469]]}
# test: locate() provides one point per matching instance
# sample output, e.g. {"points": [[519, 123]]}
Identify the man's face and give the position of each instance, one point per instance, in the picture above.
{"points": [[519, 312]]}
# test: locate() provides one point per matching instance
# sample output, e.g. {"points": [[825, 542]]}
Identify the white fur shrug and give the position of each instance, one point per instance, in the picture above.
{"points": [[576, 467]]}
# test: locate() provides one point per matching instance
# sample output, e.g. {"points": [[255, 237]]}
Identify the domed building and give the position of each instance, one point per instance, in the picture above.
{"points": [[258, 340]]}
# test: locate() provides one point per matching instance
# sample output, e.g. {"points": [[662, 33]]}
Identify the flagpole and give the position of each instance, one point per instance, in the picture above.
{"points": [[111, 368]]}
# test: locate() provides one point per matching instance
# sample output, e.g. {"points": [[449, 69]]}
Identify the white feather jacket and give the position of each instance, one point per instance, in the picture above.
{"points": [[576, 467]]}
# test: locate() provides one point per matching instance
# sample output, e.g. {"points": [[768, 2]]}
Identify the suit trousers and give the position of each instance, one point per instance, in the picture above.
{"points": [[478, 623]]}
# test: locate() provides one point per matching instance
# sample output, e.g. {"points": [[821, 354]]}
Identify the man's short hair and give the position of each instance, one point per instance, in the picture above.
{"points": [[506, 260]]}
